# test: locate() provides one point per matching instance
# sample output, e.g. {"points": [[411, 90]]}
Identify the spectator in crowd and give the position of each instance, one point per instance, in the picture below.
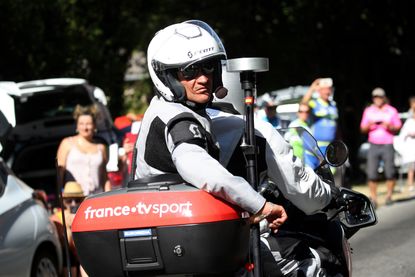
{"points": [[270, 115], [381, 122], [324, 114], [128, 127], [80, 158], [406, 140], [126, 153], [72, 197], [124, 123], [293, 137]]}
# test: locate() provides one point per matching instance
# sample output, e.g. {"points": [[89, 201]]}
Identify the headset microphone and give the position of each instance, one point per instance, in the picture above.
{"points": [[221, 92]]}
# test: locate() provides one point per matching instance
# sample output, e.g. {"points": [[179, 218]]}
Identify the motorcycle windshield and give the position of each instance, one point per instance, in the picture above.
{"points": [[304, 144]]}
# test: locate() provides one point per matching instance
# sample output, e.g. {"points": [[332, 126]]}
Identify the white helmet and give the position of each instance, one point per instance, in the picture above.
{"points": [[180, 46]]}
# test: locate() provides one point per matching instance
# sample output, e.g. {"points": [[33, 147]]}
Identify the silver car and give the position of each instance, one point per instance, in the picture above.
{"points": [[29, 243]]}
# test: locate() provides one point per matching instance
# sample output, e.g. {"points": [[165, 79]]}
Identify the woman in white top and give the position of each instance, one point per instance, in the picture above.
{"points": [[406, 140], [80, 158]]}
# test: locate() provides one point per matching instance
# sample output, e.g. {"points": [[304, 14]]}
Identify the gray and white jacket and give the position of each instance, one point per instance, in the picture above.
{"points": [[299, 184], [176, 139]]}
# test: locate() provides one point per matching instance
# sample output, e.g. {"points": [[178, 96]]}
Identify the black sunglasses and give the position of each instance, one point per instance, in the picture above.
{"points": [[191, 72], [76, 200]]}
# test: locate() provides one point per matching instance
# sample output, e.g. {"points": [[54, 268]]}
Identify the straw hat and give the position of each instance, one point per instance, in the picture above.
{"points": [[73, 190]]}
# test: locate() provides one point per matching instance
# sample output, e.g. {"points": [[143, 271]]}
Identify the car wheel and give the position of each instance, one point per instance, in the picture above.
{"points": [[44, 265]]}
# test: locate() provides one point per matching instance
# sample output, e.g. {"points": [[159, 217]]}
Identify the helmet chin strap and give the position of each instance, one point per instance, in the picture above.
{"points": [[176, 87]]}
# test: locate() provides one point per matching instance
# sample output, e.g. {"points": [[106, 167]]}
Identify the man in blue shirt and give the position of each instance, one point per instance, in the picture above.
{"points": [[271, 114], [324, 114]]}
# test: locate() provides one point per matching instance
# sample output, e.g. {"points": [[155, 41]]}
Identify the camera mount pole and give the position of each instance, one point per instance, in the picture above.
{"points": [[247, 68]]}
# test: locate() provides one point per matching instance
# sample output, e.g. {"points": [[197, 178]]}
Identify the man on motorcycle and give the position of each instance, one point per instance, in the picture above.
{"points": [[176, 136], [184, 61]]}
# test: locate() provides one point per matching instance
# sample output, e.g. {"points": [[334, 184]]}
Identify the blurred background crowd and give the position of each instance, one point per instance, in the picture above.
{"points": [[332, 64]]}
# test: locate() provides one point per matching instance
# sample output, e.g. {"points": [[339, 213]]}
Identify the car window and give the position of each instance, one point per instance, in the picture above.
{"points": [[51, 104], [35, 158]]}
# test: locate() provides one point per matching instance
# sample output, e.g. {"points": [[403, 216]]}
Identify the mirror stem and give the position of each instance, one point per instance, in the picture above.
{"points": [[337, 212]]}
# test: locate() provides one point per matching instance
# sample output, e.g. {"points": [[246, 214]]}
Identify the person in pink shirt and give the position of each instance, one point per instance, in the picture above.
{"points": [[381, 122]]}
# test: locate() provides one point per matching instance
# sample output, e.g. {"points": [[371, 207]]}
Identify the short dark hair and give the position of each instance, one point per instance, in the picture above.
{"points": [[304, 105]]}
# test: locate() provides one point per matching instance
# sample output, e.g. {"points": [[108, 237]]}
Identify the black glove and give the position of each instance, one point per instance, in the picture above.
{"points": [[336, 200]]}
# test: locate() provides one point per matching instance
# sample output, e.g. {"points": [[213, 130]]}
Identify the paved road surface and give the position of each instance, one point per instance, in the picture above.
{"points": [[388, 248]]}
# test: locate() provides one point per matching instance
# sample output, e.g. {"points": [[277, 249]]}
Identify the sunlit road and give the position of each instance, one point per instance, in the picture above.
{"points": [[388, 248]]}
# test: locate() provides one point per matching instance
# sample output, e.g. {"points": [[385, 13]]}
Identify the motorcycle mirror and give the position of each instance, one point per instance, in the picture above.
{"points": [[336, 153], [359, 210]]}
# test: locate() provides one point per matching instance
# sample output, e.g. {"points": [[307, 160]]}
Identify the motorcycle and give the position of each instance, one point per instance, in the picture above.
{"points": [[329, 230], [163, 226]]}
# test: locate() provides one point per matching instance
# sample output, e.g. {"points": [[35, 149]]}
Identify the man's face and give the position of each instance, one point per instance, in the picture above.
{"points": [[72, 204], [303, 112], [271, 111], [197, 81], [379, 101], [325, 92]]}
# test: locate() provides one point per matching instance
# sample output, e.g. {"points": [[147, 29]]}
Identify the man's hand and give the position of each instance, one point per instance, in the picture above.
{"points": [[275, 215], [313, 87], [391, 128]]}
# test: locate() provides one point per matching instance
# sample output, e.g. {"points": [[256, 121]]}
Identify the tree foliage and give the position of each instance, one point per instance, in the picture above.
{"points": [[54, 38]]}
